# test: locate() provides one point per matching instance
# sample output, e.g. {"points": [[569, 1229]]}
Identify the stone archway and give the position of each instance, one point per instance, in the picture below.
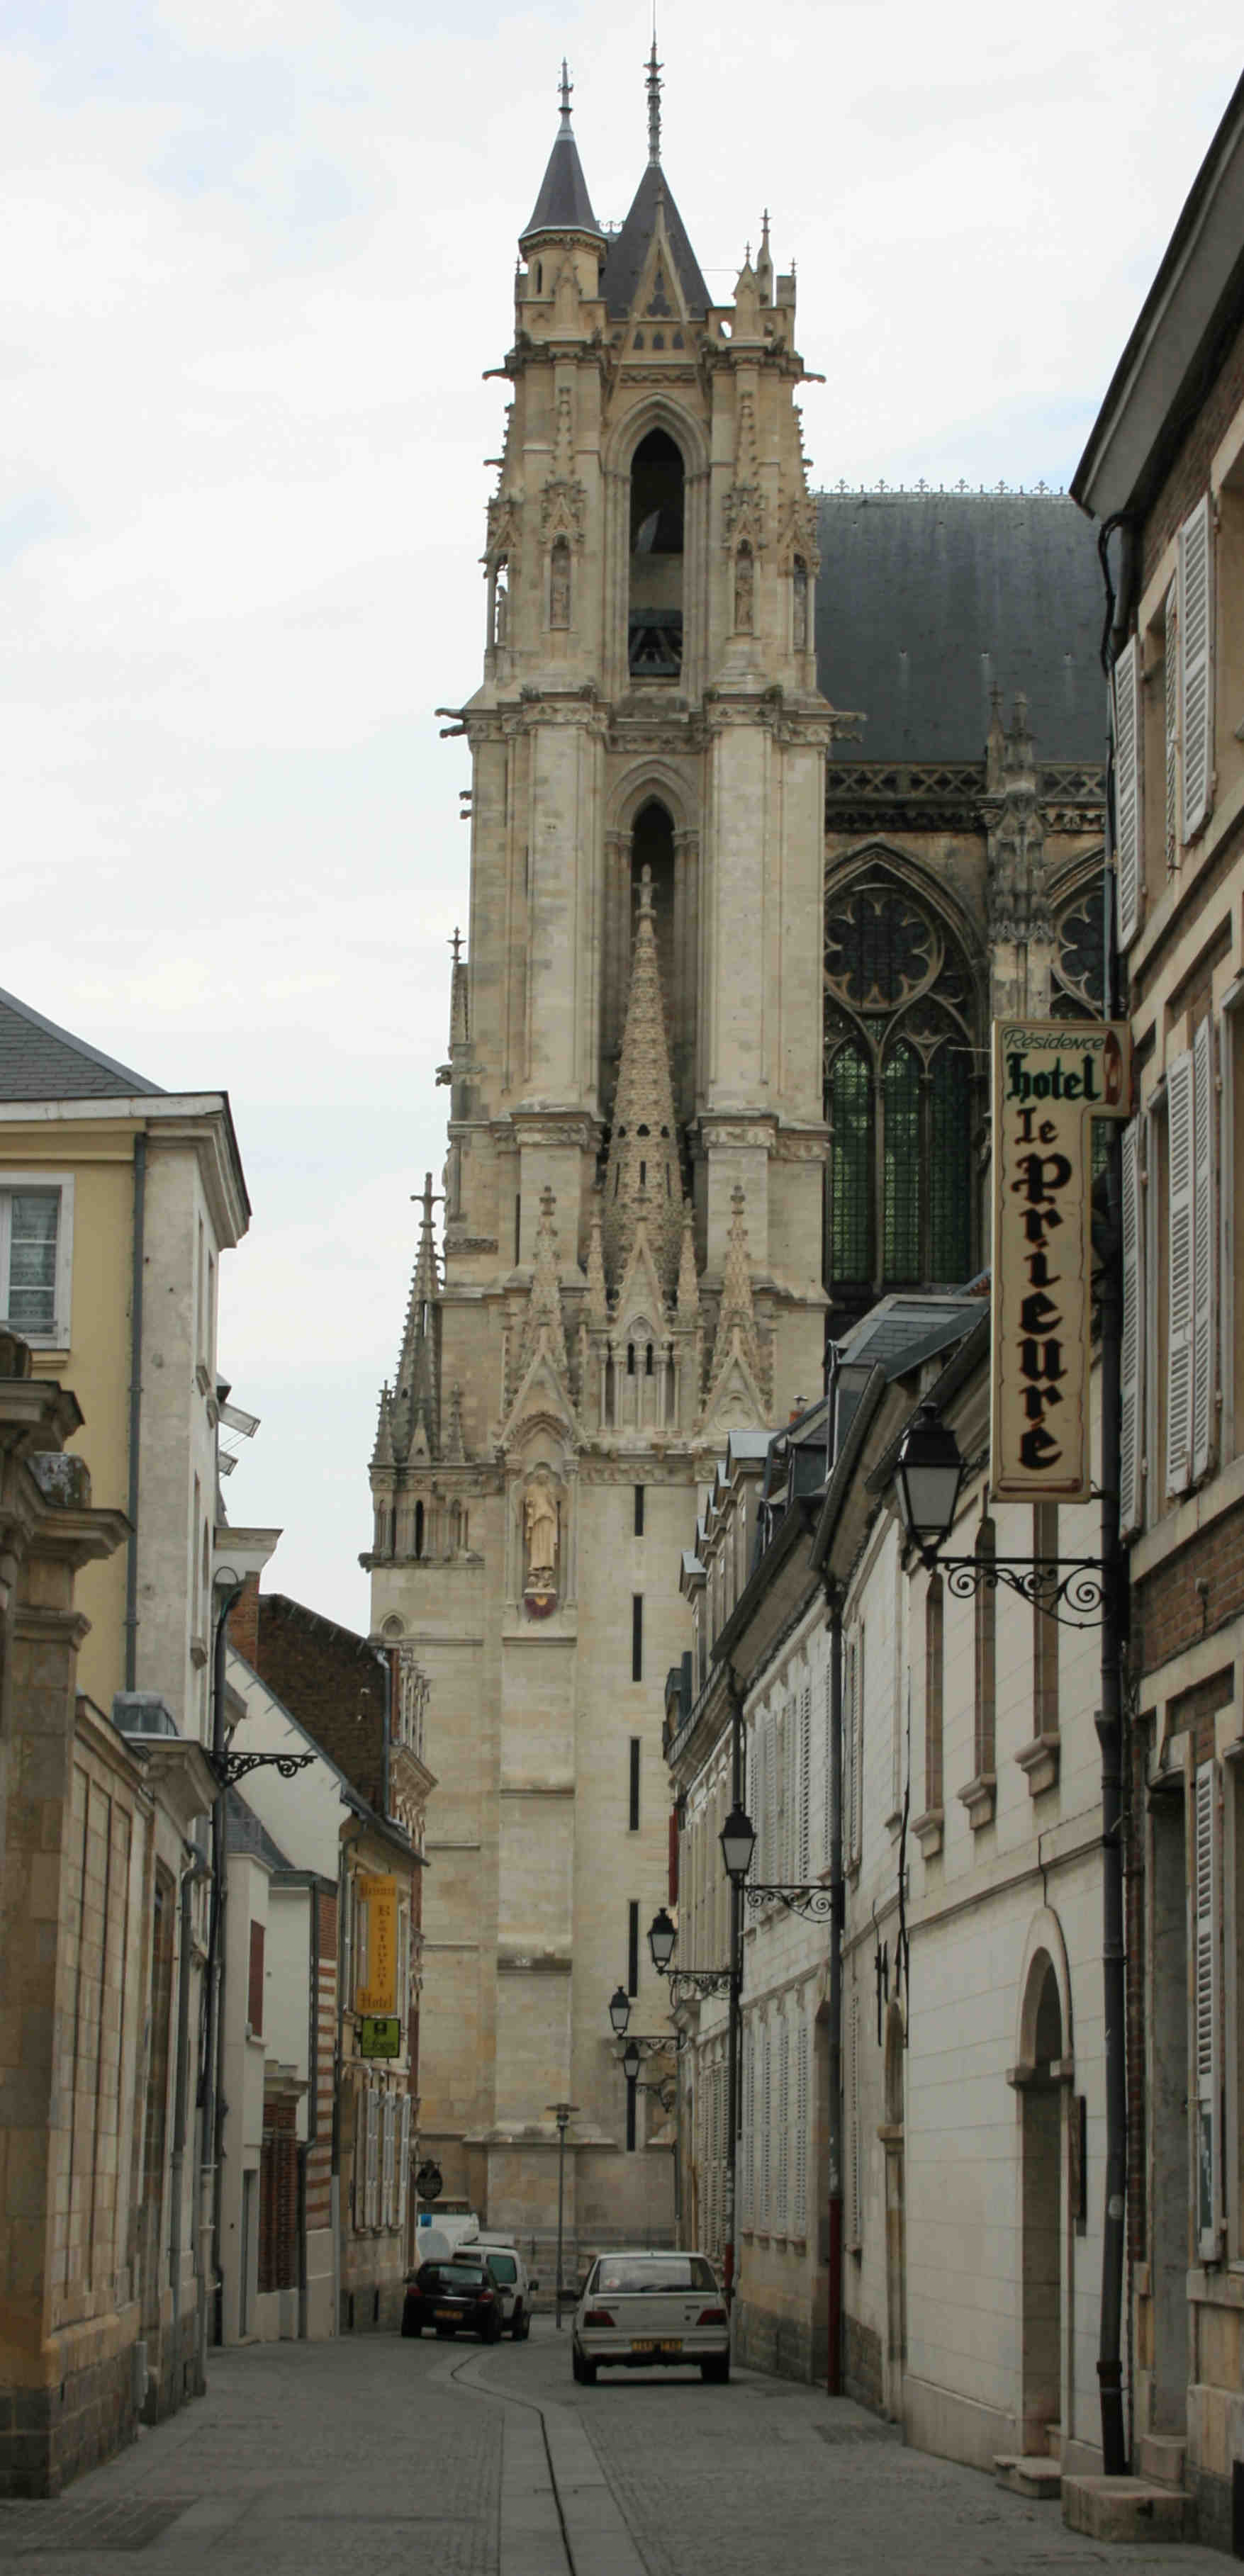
{"points": [[891, 2136]]}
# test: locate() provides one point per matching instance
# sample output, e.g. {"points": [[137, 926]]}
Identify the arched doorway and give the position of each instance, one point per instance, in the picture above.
{"points": [[891, 2135], [1041, 2235]]}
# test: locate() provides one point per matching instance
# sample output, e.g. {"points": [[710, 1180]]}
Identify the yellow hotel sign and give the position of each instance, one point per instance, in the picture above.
{"points": [[378, 1992], [1051, 1079]]}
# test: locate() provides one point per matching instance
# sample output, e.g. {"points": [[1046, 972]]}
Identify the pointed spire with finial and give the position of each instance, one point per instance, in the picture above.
{"points": [[688, 1282], [458, 1023], [736, 1315], [597, 1293], [643, 1148], [382, 1454], [764, 264], [544, 1307], [563, 205], [654, 98], [415, 1405]]}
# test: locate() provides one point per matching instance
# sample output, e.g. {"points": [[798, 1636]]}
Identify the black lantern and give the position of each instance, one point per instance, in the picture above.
{"points": [[631, 2061], [619, 2011], [661, 1939], [928, 1473], [738, 1842]]}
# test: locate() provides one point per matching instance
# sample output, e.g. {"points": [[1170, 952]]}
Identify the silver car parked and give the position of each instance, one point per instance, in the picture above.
{"points": [[651, 2312]]}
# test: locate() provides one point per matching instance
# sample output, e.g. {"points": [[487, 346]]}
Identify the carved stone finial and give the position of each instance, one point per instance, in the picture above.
{"points": [[544, 1307], [597, 1293], [643, 1148], [455, 1446], [736, 1315], [566, 87], [654, 102], [415, 1405], [688, 1281]]}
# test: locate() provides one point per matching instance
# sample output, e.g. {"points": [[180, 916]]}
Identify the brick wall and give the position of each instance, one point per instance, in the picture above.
{"points": [[1169, 1611], [1189, 475], [330, 1680]]}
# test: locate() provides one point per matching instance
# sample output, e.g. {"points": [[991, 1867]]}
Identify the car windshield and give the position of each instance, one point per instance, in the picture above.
{"points": [[675, 2272], [451, 2276]]}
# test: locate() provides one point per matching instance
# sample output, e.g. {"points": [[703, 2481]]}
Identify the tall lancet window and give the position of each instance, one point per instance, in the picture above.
{"points": [[904, 1065], [654, 624]]}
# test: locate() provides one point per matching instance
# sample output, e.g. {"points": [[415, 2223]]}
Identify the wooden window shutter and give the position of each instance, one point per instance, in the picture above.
{"points": [[254, 1982], [1179, 1120], [403, 2162], [1127, 789], [783, 2135], [1170, 677], [1206, 1909], [855, 2230], [1131, 1427], [801, 2133], [1203, 1161], [766, 2129], [1196, 683], [770, 1797], [389, 2117], [827, 1785]]}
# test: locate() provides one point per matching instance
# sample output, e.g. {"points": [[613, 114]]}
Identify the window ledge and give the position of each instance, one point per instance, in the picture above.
{"points": [[1040, 1761], [980, 1798], [928, 1830]]}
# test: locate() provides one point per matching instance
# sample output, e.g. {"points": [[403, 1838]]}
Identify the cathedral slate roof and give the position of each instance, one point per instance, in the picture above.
{"points": [[927, 600], [629, 248], [39, 1061]]}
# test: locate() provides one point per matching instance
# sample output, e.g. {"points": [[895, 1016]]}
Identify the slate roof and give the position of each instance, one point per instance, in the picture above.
{"points": [[39, 1061], [629, 248], [563, 204], [925, 599], [245, 1833]]}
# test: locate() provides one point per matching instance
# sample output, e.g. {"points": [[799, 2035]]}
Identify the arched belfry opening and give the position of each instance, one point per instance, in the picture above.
{"points": [[657, 537], [654, 840], [652, 846]]}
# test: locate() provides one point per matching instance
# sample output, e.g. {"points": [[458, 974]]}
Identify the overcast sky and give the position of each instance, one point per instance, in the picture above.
{"points": [[258, 254]]}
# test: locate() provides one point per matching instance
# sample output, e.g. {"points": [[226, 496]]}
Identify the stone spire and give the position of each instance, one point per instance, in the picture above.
{"points": [[654, 105], [544, 1305], [415, 1404], [382, 1454], [688, 1282], [736, 1315], [459, 1030], [643, 1147], [597, 1308], [563, 205]]}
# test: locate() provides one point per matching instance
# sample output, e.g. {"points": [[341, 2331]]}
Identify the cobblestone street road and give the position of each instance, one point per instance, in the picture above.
{"points": [[378, 2455]]}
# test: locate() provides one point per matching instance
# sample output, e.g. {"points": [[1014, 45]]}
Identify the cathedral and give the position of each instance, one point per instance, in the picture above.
{"points": [[775, 797]]}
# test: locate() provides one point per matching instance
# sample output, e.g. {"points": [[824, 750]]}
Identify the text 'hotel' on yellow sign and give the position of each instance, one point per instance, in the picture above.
{"points": [[378, 1992], [1051, 1079]]}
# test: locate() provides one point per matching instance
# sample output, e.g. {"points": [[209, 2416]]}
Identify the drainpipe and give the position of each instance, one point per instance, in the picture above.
{"points": [[833, 2368], [1109, 1717], [209, 2082], [136, 1406]]}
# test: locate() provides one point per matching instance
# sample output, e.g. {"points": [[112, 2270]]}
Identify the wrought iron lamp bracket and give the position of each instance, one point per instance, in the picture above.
{"points": [[1071, 1589], [672, 2046], [231, 1767], [698, 1981], [812, 1900]]}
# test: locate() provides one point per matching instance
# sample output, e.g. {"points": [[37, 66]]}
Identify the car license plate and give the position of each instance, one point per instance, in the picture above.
{"points": [[673, 2346], [642, 2347], [447, 2316]]}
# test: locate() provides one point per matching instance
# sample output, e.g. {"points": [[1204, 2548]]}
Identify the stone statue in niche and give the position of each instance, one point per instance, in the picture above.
{"points": [[540, 1534], [744, 589], [799, 585], [559, 585]]}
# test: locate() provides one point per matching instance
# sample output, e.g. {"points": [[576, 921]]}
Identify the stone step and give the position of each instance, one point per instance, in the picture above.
{"points": [[1032, 2474], [1054, 2440], [1161, 2459], [1126, 2509]]}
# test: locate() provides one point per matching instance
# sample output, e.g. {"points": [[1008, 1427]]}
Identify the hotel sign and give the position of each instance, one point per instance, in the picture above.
{"points": [[1051, 1079]]}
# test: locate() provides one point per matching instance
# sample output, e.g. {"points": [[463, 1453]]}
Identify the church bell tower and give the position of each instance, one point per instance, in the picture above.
{"points": [[630, 1259]]}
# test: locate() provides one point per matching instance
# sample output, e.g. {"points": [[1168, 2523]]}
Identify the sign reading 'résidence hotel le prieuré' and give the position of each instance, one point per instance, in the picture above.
{"points": [[1051, 1079]]}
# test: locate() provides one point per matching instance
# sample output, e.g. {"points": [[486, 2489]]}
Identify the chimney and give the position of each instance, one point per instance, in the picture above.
{"points": [[244, 1621]]}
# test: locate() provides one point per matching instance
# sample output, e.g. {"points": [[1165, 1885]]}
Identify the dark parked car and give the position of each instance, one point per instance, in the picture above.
{"points": [[454, 2298]]}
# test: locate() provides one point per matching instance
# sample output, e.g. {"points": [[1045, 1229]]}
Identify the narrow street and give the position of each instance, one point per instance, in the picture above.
{"points": [[383, 2455]]}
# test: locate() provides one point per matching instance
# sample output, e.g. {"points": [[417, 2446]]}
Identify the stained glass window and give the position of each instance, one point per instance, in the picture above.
{"points": [[851, 1120], [950, 1175], [901, 1225]]}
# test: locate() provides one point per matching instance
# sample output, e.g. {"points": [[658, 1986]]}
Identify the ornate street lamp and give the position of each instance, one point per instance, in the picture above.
{"points": [[928, 1475], [619, 2011], [661, 1939], [738, 1842]]}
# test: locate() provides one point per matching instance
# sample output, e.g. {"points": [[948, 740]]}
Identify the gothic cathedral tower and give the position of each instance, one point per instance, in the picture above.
{"points": [[631, 1260]]}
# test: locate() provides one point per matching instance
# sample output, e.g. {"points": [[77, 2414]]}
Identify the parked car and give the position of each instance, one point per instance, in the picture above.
{"points": [[514, 2285], [458, 2297], [650, 2312]]}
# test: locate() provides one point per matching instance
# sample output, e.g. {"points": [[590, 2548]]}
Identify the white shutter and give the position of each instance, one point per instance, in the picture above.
{"points": [[371, 2189], [766, 2128], [1196, 687], [1131, 1433], [781, 1733], [1203, 1162], [848, 1747], [746, 2143], [855, 2229], [387, 2194], [1127, 789], [1205, 1894], [1171, 680], [783, 2135], [803, 1857], [801, 2131], [1179, 1160], [771, 1799], [828, 1782]]}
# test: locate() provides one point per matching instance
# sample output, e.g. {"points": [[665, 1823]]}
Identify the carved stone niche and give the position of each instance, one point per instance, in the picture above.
{"points": [[541, 1531]]}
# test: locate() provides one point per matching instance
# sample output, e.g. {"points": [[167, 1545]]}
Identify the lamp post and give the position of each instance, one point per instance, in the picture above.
{"points": [[928, 1477], [563, 2113], [619, 2011]]}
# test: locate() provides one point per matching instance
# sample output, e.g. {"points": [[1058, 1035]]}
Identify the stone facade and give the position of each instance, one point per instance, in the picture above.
{"points": [[630, 1261]]}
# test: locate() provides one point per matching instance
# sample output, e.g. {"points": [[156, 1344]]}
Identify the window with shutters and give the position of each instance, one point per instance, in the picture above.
{"points": [[781, 2210], [1132, 1354], [36, 1256], [765, 2207], [1196, 679], [1204, 1240], [1180, 1153], [827, 1771], [1206, 2043], [799, 2215], [1127, 790], [803, 1855], [1170, 727], [1231, 1240]]}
